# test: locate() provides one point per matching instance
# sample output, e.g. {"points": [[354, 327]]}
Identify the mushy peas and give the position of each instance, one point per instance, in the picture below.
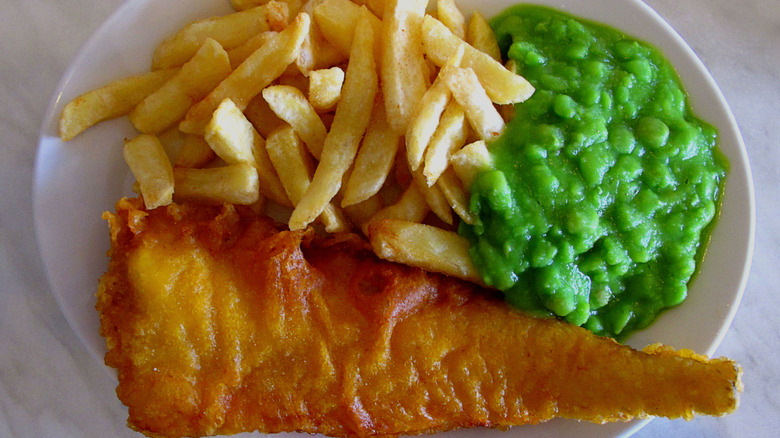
{"points": [[605, 183]]}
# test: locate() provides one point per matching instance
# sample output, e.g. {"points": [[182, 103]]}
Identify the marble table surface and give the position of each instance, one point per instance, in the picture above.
{"points": [[51, 387]]}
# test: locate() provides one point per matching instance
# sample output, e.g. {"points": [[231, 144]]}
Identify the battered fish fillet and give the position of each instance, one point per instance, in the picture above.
{"points": [[217, 322]]}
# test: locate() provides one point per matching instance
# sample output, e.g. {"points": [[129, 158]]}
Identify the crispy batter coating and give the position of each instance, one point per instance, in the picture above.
{"points": [[217, 322]]}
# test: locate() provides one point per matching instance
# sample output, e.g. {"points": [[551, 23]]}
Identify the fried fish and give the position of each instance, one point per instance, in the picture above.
{"points": [[219, 322]]}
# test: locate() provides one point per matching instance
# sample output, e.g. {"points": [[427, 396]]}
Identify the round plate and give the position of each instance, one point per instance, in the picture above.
{"points": [[76, 182]]}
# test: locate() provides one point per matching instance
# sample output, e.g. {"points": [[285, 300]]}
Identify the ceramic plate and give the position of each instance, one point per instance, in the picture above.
{"points": [[76, 182]]}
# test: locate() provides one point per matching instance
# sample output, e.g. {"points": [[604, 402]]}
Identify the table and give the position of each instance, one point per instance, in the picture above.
{"points": [[51, 387]]}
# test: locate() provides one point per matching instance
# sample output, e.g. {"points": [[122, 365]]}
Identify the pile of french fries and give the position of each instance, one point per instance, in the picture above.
{"points": [[370, 116]]}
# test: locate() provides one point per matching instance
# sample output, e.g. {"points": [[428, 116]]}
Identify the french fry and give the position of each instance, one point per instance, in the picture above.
{"points": [[172, 141], [229, 30], [115, 99], [433, 197], [194, 152], [360, 213], [336, 20], [502, 86], [456, 195], [293, 164], [480, 35], [325, 88], [374, 160], [423, 246], [508, 111], [467, 91], [230, 135], [194, 80], [255, 73], [152, 169], [427, 115], [349, 125], [263, 118], [411, 206], [448, 13], [236, 183], [270, 185], [470, 161], [239, 54], [403, 70], [377, 7], [291, 105], [448, 138]]}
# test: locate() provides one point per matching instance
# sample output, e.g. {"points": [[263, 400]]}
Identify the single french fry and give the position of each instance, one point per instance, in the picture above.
{"points": [[293, 164], [239, 54], [229, 30], [236, 183], [152, 169], [230, 135], [470, 161], [433, 197], [325, 88], [456, 195], [403, 70], [255, 73], [172, 140], [448, 138], [291, 105], [349, 125], [194, 152], [468, 92], [480, 35], [502, 85], [263, 118], [374, 160], [336, 21], [411, 206], [448, 13], [194, 80], [423, 246], [270, 185], [112, 100], [427, 115]]}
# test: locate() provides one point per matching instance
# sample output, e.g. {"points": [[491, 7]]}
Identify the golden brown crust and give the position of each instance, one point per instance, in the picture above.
{"points": [[218, 322]]}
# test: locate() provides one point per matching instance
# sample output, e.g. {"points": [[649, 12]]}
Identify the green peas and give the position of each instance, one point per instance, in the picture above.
{"points": [[641, 69], [548, 136], [564, 106], [652, 132], [622, 139], [604, 184]]}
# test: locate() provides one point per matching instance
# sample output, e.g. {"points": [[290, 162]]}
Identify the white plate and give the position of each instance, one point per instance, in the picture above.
{"points": [[76, 182]]}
